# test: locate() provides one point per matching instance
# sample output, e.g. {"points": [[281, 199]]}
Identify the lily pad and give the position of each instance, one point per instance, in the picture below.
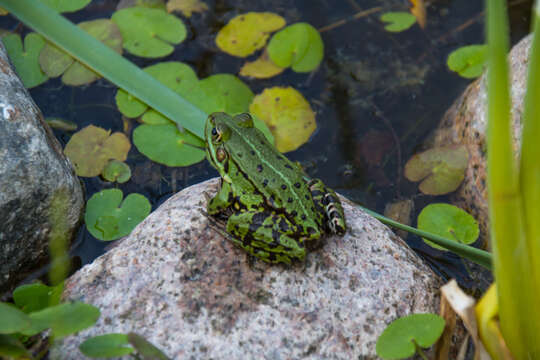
{"points": [[55, 61], [167, 145], [223, 92], [468, 61], [262, 68], [91, 149], [25, 59], [448, 221], [107, 217], [116, 171], [398, 21], [299, 46], [186, 7], [397, 340], [35, 297], [66, 5], [108, 345], [441, 169], [246, 33], [150, 33], [288, 115]]}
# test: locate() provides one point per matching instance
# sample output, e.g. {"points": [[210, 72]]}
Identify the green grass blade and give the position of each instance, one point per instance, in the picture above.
{"points": [[106, 62]]}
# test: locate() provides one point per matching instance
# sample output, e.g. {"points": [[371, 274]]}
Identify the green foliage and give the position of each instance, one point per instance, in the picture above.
{"points": [[25, 59], [448, 221], [34, 297], [10, 346], [468, 61], [403, 337], [108, 345], [224, 92], [149, 32], [13, 319], [107, 217], [398, 21], [145, 348], [299, 46], [116, 171], [66, 5]]}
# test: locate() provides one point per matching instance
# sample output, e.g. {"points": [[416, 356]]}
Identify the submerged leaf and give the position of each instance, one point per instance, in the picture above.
{"points": [[468, 61], [116, 171], [91, 148], [288, 115], [25, 59], [398, 21], [246, 33], [61, 124], [441, 169], [186, 7]]}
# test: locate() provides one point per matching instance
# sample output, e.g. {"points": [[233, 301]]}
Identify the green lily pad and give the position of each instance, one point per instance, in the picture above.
{"points": [[108, 345], [13, 319], [35, 297], [63, 319], [468, 61], [61, 124], [148, 32], [299, 46], [177, 76], [165, 144], [152, 4], [441, 169], [246, 33], [398, 21], [186, 7], [288, 115], [116, 171], [397, 340], [107, 217], [222, 92], [91, 149], [448, 221], [12, 348], [145, 348], [56, 62], [25, 59], [66, 5]]}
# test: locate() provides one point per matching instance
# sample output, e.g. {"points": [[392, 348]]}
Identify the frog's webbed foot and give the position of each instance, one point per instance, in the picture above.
{"points": [[327, 199]]}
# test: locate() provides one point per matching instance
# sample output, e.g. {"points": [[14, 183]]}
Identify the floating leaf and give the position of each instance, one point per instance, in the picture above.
{"points": [[66, 5], [108, 345], [145, 348], [116, 171], [223, 92], [64, 319], [299, 46], [13, 319], [26, 60], [262, 68], [32, 297], [398, 21], [55, 61], [441, 169], [468, 61], [61, 124], [167, 145], [91, 148], [186, 7], [107, 217], [398, 339], [448, 221], [12, 348], [287, 114], [148, 32], [246, 33]]}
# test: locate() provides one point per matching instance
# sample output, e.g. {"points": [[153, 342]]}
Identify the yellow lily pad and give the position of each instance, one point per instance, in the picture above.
{"points": [[186, 7], [287, 114], [91, 149], [262, 68], [246, 33]]}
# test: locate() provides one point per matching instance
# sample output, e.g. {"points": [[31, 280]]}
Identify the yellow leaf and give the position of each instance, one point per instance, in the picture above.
{"points": [[419, 12], [246, 33], [287, 114], [3, 11], [186, 7], [262, 68]]}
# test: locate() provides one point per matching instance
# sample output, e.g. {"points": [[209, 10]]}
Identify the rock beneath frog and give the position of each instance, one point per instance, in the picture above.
{"points": [[34, 174], [193, 294], [466, 123]]}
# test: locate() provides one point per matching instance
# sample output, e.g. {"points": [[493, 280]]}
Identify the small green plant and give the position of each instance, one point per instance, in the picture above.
{"points": [[398, 21], [468, 61]]}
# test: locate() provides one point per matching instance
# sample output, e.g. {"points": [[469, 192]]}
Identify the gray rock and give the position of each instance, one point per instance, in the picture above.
{"points": [[192, 293], [33, 174]]}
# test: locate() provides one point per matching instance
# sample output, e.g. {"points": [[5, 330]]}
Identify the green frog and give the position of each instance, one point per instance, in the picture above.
{"points": [[272, 210]]}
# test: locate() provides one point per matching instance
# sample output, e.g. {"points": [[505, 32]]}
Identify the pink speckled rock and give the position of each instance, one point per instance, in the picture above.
{"points": [[193, 294]]}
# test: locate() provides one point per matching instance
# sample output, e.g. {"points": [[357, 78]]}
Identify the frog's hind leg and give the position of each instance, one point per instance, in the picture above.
{"points": [[327, 200]]}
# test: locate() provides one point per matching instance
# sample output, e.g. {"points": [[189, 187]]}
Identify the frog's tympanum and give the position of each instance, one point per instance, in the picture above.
{"points": [[272, 211]]}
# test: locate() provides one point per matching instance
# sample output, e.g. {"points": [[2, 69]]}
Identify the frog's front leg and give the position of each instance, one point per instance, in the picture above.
{"points": [[266, 235], [327, 200], [222, 201]]}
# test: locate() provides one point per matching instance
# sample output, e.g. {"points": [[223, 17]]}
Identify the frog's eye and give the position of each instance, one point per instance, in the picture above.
{"points": [[216, 135]]}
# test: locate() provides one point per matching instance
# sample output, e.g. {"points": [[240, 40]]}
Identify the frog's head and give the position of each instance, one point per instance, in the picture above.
{"points": [[216, 133]]}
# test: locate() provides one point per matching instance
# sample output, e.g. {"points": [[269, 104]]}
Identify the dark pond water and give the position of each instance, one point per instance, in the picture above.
{"points": [[377, 96]]}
